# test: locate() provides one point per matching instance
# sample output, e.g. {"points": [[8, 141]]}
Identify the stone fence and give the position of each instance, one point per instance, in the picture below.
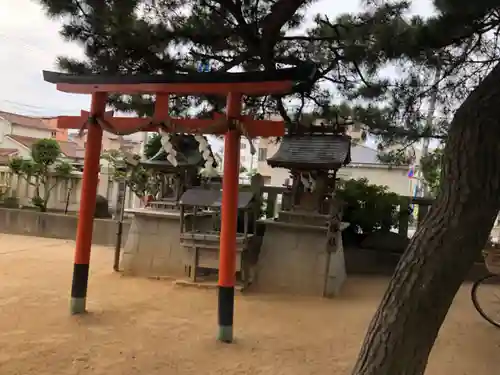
{"points": [[34, 223], [66, 194]]}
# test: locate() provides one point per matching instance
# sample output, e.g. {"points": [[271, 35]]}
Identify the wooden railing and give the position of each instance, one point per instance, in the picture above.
{"points": [[416, 207]]}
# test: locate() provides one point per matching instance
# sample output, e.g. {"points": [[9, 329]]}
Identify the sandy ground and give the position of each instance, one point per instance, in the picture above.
{"points": [[140, 326]]}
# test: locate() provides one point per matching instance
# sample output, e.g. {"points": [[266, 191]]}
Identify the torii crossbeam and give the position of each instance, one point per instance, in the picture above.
{"points": [[232, 125]]}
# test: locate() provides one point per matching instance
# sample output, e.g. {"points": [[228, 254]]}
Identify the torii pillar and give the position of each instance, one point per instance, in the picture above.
{"points": [[229, 219], [87, 207]]}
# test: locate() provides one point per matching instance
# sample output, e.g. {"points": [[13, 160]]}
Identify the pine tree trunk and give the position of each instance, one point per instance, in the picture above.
{"points": [[437, 260]]}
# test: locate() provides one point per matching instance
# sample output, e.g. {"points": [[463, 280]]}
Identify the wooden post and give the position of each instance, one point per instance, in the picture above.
{"points": [[423, 209], [256, 185], [272, 195], [87, 207], [119, 213], [229, 217], [404, 215]]}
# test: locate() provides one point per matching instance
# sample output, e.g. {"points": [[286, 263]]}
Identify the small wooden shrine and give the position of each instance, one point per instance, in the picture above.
{"points": [[302, 248], [200, 233], [178, 170]]}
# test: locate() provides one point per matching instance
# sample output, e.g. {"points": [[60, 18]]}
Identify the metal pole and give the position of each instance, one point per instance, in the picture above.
{"points": [[429, 125]]}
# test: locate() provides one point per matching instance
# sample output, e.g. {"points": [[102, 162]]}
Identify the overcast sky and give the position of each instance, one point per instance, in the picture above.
{"points": [[30, 43]]}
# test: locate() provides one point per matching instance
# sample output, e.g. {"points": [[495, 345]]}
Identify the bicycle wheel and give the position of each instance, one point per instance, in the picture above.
{"points": [[485, 296]]}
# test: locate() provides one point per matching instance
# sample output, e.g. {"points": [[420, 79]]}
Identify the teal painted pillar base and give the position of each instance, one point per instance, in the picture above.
{"points": [[78, 306], [225, 334], [226, 311], [79, 288]]}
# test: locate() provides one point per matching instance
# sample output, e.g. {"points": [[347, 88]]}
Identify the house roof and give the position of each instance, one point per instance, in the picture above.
{"points": [[5, 154], [7, 151], [361, 154], [27, 121], [67, 148], [312, 151]]}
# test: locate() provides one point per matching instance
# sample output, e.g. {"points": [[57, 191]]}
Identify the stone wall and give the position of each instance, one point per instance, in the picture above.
{"points": [[34, 223], [378, 263], [293, 259]]}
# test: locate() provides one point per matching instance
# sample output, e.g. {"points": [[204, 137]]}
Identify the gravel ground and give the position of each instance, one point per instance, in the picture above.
{"points": [[141, 326]]}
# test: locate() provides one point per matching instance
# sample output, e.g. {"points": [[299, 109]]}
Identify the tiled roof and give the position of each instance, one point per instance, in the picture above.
{"points": [[26, 121], [6, 154], [314, 151], [67, 148], [7, 151], [361, 154]]}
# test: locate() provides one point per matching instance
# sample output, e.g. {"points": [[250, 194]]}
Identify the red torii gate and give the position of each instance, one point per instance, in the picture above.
{"points": [[233, 125]]}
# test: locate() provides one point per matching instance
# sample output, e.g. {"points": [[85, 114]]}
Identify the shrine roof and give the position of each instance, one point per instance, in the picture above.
{"points": [[312, 152], [188, 156], [248, 83], [212, 198]]}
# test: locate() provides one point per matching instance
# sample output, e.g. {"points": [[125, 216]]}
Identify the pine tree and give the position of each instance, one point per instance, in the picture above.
{"points": [[351, 51]]}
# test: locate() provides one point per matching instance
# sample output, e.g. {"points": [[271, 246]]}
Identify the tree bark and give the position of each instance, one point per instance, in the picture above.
{"points": [[439, 256]]}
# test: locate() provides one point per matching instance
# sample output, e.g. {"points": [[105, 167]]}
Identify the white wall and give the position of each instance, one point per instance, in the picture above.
{"points": [[394, 178], [247, 160], [32, 132], [5, 128], [19, 188], [9, 143]]}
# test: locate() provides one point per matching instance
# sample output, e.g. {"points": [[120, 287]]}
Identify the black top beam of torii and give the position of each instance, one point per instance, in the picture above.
{"points": [[302, 76]]}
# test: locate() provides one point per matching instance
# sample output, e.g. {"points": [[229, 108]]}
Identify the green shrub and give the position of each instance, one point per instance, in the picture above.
{"points": [[38, 171], [11, 202], [368, 207]]}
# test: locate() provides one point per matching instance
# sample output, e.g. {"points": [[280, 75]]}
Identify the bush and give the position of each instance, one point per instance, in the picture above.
{"points": [[40, 168], [11, 202], [368, 208], [101, 208]]}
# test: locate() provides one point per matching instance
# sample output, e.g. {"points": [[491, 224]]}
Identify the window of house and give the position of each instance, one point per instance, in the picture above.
{"points": [[243, 146], [262, 154], [53, 134]]}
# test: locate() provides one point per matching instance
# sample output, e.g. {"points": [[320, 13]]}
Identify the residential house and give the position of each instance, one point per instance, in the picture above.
{"points": [[109, 142], [6, 154], [23, 146], [28, 126], [19, 132], [247, 160]]}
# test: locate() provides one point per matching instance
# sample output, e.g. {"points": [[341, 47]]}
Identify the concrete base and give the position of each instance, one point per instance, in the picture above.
{"points": [[293, 259], [152, 248], [78, 306]]}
